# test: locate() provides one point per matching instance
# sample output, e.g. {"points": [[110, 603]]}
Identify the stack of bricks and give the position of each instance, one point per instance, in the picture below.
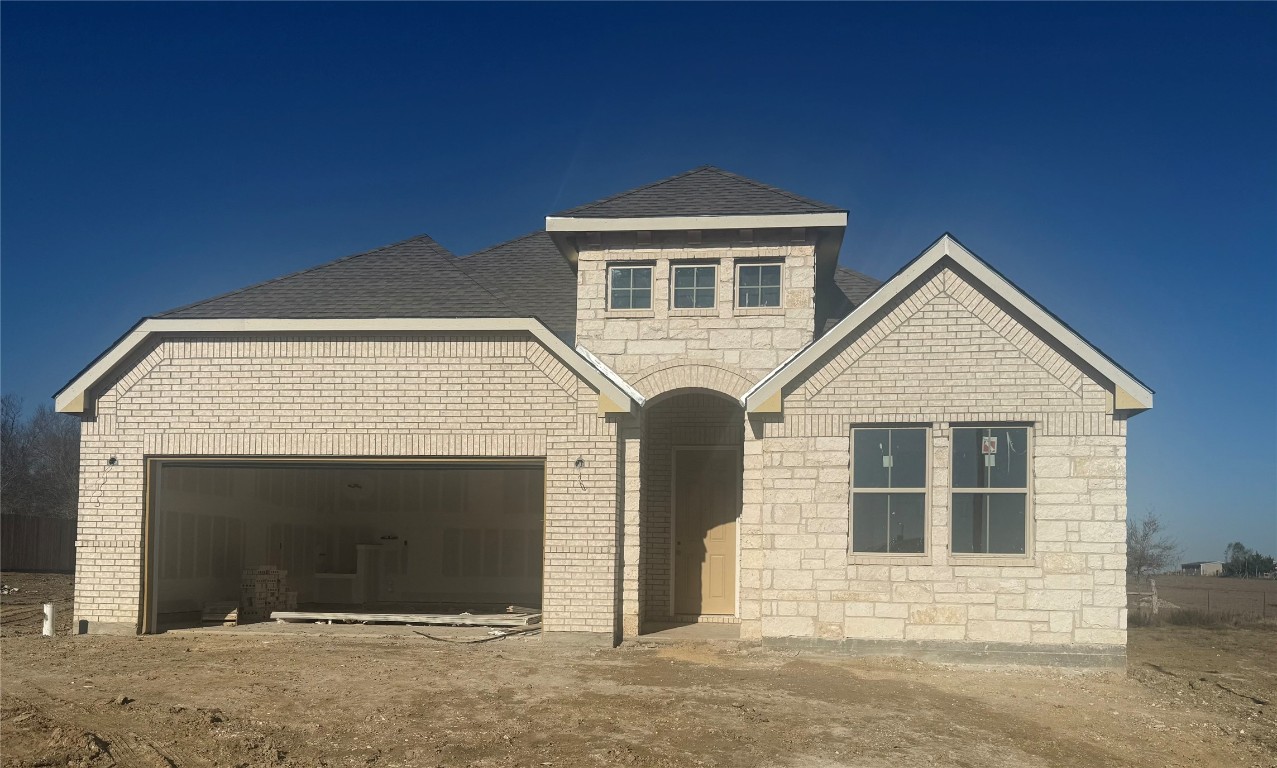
{"points": [[262, 590]]}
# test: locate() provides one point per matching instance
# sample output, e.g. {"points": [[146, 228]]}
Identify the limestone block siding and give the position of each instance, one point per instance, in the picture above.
{"points": [[417, 395], [747, 342], [942, 354]]}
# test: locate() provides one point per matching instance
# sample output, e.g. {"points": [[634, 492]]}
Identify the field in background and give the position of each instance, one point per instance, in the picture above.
{"points": [[1255, 598]]}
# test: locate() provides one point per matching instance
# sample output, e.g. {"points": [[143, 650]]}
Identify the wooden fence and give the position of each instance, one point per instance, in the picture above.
{"points": [[32, 543]]}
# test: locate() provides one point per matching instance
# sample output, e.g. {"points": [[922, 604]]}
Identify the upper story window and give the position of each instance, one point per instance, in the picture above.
{"points": [[695, 286], [758, 285], [889, 490], [990, 490], [630, 287]]}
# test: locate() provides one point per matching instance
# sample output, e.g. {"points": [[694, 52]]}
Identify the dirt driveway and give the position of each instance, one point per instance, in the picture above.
{"points": [[1192, 697]]}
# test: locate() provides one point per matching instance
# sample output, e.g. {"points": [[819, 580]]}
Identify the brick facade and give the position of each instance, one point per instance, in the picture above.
{"points": [[481, 395]]}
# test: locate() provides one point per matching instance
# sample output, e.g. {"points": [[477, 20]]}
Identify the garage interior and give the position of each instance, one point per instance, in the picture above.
{"points": [[408, 537]]}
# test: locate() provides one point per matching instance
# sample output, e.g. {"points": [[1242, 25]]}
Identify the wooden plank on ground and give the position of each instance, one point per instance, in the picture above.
{"points": [[435, 619]]}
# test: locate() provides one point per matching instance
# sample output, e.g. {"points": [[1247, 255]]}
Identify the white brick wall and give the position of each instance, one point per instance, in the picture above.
{"points": [[403, 395], [942, 354]]}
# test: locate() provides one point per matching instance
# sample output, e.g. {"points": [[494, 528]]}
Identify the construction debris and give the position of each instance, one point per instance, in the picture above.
{"points": [[495, 634], [225, 614], [464, 619], [264, 590]]}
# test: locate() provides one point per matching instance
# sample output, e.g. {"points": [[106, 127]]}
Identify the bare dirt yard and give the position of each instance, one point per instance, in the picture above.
{"points": [[334, 696]]}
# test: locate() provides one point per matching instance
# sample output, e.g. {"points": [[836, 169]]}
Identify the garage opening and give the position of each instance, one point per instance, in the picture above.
{"points": [[374, 537]]}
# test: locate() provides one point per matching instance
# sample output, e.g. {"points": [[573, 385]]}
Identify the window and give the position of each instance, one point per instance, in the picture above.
{"points": [[694, 286], [990, 490], [885, 518], [631, 288], [758, 285]]}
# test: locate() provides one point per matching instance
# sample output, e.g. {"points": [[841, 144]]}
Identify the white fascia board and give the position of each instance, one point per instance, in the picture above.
{"points": [[71, 399], [615, 377], [655, 223], [947, 246]]}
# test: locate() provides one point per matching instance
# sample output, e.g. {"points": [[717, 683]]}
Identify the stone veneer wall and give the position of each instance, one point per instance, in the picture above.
{"points": [[943, 353], [691, 419], [479, 395], [746, 342]]}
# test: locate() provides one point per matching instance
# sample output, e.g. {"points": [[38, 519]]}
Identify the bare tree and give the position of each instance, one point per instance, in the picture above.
{"points": [[1149, 549], [39, 461]]}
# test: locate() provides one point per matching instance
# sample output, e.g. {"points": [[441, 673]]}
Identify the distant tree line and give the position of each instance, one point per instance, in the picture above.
{"points": [[39, 461], [1243, 562]]}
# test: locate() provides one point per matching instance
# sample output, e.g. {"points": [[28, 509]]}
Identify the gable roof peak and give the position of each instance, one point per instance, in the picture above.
{"points": [[706, 190]]}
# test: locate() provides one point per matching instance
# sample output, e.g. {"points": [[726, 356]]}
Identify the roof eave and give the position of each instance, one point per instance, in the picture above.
{"points": [[705, 222]]}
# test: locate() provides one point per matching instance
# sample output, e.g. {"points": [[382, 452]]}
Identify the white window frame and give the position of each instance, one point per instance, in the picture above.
{"points": [[1027, 490], [780, 287], [651, 286], [925, 490], [674, 268]]}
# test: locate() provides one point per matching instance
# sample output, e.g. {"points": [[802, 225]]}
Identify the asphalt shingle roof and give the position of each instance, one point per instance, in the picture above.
{"points": [[704, 191], [531, 276], [848, 291], [414, 278]]}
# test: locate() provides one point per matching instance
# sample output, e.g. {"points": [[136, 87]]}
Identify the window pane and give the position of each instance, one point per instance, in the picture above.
{"points": [[1006, 523], [621, 278], [908, 458], [869, 522], [769, 297], [748, 297], [641, 298], [621, 299], [871, 448], [991, 523], [1006, 466], [905, 516], [749, 277], [704, 297], [683, 297], [770, 275], [642, 277], [704, 277], [684, 277], [887, 522]]}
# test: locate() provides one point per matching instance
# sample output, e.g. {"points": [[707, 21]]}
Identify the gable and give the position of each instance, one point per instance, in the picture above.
{"points": [[947, 348], [1038, 330]]}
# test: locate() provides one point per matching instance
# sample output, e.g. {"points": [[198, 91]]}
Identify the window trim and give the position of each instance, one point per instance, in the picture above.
{"points": [[651, 303], [736, 285], [887, 558], [676, 266], [1030, 516]]}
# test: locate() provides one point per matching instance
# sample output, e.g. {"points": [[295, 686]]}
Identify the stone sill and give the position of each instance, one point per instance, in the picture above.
{"points": [[689, 312], [918, 558], [747, 311], [634, 313], [985, 561]]}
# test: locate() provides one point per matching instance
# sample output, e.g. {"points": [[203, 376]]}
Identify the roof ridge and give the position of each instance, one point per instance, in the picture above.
{"points": [[762, 185], [640, 188], [445, 252], [503, 244]]}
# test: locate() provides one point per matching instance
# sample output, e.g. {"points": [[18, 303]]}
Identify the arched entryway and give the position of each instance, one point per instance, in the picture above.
{"points": [[692, 467]]}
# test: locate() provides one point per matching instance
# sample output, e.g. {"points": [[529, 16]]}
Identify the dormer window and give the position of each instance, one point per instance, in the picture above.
{"points": [[630, 287], [694, 286], [758, 285]]}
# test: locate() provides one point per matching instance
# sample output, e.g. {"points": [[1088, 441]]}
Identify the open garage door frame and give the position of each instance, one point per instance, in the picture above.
{"points": [[153, 465]]}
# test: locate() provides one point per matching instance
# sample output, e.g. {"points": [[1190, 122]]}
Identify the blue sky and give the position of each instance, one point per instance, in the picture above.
{"points": [[1119, 162]]}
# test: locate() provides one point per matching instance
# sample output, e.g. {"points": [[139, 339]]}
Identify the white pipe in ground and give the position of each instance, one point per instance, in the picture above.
{"points": [[50, 614]]}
